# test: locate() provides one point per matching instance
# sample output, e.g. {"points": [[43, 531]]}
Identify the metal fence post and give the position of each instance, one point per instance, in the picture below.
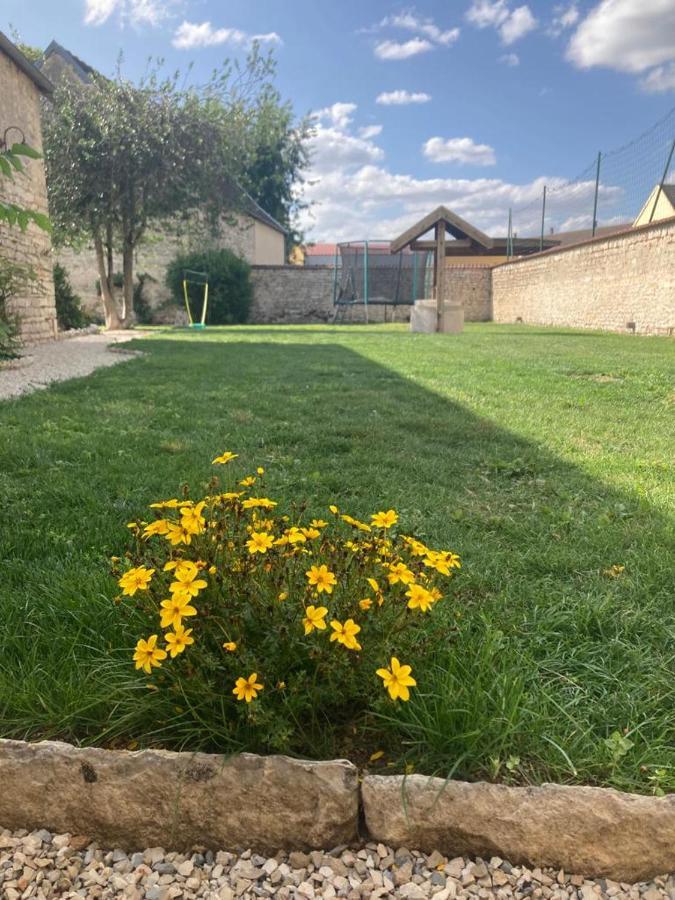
{"points": [[335, 268], [509, 238], [595, 198], [663, 181], [365, 280], [414, 278], [543, 215]]}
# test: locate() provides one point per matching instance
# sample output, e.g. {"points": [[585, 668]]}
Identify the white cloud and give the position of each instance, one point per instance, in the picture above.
{"points": [[626, 35], [395, 50], [370, 131], [339, 114], [511, 24], [460, 150], [410, 21], [659, 80], [192, 34], [519, 23], [136, 12], [401, 98], [510, 59], [564, 17]]}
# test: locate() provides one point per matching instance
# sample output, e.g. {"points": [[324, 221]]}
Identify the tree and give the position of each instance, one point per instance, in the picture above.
{"points": [[276, 158], [121, 157]]}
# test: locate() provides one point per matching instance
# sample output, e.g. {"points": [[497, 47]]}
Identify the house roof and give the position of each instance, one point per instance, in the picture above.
{"points": [[565, 238], [256, 211], [83, 71], [39, 80], [665, 190]]}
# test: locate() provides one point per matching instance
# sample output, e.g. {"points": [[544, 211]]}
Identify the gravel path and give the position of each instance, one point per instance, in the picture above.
{"points": [[59, 360], [45, 865]]}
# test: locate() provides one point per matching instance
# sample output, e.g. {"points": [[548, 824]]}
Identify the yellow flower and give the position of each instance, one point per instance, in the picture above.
{"points": [[212, 570], [178, 640], [191, 518], [159, 526], [350, 520], [334, 509], [315, 617], [318, 523], [400, 572], [420, 598], [168, 504], [346, 634], [295, 535], [311, 533], [230, 646], [366, 603], [321, 579], [224, 458], [282, 596], [442, 561], [248, 481], [397, 680], [178, 534], [417, 548], [186, 585], [175, 610], [378, 590], [262, 502], [384, 519], [247, 688], [135, 580], [259, 542], [260, 470], [148, 654]]}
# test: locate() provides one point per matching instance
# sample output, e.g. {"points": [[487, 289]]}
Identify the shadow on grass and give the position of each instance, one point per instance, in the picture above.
{"points": [[542, 656]]}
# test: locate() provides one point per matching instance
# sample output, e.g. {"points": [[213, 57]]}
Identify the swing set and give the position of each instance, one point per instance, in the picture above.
{"points": [[198, 278]]}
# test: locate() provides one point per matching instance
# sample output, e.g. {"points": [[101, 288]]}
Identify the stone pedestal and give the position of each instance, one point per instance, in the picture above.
{"points": [[423, 317]]}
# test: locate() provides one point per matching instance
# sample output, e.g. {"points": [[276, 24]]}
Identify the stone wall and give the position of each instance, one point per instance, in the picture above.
{"points": [[158, 249], [20, 107], [622, 282], [472, 287]]}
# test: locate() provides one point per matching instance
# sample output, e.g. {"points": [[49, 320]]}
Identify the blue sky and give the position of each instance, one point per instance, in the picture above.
{"points": [[472, 103]]}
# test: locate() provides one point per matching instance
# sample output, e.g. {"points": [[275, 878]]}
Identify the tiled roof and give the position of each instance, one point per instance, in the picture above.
{"points": [[26, 66]]}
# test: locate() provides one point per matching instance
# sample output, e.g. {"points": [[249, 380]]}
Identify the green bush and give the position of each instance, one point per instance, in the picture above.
{"points": [[230, 287], [14, 279], [142, 308], [69, 312]]}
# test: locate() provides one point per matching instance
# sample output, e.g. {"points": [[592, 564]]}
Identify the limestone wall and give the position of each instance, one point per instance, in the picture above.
{"points": [[472, 287], [622, 282], [158, 249], [20, 107]]}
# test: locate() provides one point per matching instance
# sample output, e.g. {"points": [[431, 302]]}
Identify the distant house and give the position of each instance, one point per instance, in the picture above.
{"points": [[659, 205], [21, 86], [251, 233]]}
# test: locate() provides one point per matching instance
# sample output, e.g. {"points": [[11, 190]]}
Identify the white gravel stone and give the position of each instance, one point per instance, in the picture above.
{"points": [[46, 867], [42, 364]]}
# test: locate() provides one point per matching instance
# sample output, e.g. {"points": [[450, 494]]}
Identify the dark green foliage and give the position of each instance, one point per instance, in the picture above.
{"points": [[142, 308], [230, 287], [69, 312], [14, 279]]}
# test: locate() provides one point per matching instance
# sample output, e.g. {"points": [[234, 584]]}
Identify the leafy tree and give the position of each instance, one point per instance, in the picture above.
{"points": [[277, 156], [122, 157], [11, 162], [69, 312], [230, 289]]}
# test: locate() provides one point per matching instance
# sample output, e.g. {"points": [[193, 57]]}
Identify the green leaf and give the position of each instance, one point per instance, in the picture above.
{"points": [[25, 150], [13, 160], [41, 220], [5, 167]]}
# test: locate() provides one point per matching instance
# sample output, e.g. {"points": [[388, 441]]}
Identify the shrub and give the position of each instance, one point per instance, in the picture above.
{"points": [[69, 312], [230, 288], [265, 626], [14, 279], [142, 309]]}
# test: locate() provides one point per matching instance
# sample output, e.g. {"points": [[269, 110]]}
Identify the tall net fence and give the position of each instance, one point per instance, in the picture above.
{"points": [[367, 272], [612, 190]]}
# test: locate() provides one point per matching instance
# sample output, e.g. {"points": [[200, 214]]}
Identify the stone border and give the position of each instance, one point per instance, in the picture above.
{"points": [[154, 797]]}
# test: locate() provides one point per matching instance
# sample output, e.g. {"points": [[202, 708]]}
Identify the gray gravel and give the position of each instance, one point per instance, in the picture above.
{"points": [[71, 357], [44, 865]]}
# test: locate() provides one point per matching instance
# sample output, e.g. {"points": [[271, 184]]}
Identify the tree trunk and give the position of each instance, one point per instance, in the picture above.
{"points": [[112, 319], [128, 283]]}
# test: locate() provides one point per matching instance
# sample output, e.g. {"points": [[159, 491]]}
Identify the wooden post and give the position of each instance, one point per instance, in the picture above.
{"points": [[440, 273]]}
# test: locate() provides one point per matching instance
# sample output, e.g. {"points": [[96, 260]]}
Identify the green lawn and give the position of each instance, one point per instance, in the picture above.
{"points": [[543, 457]]}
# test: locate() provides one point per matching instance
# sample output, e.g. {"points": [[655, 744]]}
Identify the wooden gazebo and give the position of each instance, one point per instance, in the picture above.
{"points": [[467, 241]]}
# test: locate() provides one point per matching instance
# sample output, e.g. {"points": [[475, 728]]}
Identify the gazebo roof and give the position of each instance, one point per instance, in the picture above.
{"points": [[458, 227]]}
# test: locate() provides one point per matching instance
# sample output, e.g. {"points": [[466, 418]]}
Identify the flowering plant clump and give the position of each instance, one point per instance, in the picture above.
{"points": [[285, 622]]}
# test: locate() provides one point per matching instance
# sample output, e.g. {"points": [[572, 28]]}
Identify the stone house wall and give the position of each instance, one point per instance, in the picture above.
{"points": [[20, 107], [622, 282]]}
